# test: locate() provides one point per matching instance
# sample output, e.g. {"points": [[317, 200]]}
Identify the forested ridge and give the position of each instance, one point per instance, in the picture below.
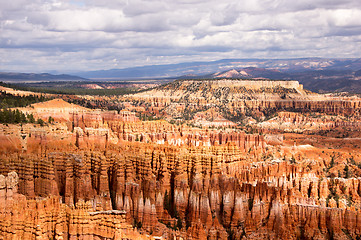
{"points": [[8, 101]]}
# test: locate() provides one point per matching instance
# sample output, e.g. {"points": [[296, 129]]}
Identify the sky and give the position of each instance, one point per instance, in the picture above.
{"points": [[85, 35]]}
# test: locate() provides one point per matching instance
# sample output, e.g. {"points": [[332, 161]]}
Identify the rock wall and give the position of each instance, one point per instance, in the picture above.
{"points": [[252, 84], [214, 192], [236, 97], [301, 122], [48, 218], [100, 175]]}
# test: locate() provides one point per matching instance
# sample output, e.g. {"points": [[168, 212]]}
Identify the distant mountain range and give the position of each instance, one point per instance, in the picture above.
{"points": [[203, 68], [316, 74], [36, 77]]}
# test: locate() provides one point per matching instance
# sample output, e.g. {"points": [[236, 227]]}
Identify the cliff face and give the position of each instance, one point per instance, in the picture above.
{"points": [[137, 173], [203, 192], [310, 122], [236, 98], [50, 219], [102, 174]]}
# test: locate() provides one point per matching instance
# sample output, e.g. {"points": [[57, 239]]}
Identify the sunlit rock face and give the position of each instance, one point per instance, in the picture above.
{"points": [[95, 174]]}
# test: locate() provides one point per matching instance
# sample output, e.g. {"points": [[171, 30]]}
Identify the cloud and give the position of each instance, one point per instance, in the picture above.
{"points": [[89, 34], [345, 17]]}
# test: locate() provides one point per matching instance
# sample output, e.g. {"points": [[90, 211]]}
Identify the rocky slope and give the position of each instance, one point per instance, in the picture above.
{"points": [[102, 174], [235, 99], [215, 192], [50, 219]]}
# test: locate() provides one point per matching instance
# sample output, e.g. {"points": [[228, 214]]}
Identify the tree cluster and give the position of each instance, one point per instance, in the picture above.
{"points": [[15, 116], [9, 101]]}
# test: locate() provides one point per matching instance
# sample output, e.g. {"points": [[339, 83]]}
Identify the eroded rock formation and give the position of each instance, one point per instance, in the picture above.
{"points": [[48, 218], [102, 174]]}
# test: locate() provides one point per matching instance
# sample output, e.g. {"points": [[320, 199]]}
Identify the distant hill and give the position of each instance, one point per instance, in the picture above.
{"points": [[358, 73], [333, 85], [314, 80], [35, 77], [252, 72], [152, 71], [316, 74], [204, 68]]}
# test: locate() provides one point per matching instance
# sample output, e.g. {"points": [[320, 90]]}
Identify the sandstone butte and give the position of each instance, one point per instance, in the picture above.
{"points": [[288, 168]]}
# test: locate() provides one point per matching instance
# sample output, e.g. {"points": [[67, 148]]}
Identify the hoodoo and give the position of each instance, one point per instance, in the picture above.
{"points": [[219, 159]]}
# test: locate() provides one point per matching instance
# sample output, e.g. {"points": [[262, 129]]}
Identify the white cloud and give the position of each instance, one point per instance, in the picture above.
{"points": [[91, 20], [345, 17], [90, 34]]}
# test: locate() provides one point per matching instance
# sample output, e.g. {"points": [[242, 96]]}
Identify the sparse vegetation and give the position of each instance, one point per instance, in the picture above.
{"points": [[72, 88], [50, 119]]}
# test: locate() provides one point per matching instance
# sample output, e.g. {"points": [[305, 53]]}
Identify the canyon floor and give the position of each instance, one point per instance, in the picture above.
{"points": [[191, 159]]}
